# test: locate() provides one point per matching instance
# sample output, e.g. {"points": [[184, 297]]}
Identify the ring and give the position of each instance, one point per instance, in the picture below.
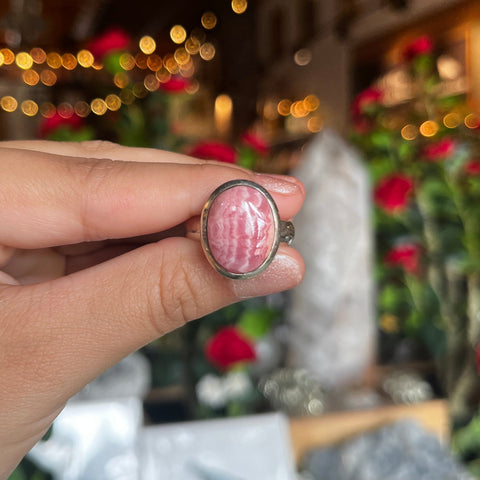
{"points": [[241, 229]]}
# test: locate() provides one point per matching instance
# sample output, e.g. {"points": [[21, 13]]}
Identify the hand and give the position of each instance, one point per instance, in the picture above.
{"points": [[84, 281]]}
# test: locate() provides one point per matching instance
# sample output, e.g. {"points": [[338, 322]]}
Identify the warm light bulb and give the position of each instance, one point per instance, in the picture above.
{"points": [[209, 20], [147, 45], [178, 34], [239, 6]]}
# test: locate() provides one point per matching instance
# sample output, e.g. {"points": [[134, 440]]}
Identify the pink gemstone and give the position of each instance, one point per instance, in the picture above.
{"points": [[240, 229]]}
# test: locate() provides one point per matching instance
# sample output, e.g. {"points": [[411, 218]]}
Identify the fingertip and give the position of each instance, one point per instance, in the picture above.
{"points": [[285, 272]]}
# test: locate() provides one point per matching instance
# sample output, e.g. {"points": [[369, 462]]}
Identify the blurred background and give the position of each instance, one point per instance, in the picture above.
{"points": [[374, 104]]}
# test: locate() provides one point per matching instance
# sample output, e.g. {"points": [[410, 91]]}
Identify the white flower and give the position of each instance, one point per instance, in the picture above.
{"points": [[211, 391]]}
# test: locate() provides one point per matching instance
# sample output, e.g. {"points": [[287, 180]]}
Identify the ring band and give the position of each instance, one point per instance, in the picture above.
{"points": [[241, 229]]}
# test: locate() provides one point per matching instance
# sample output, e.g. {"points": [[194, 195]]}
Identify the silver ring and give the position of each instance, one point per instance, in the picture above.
{"points": [[241, 229]]}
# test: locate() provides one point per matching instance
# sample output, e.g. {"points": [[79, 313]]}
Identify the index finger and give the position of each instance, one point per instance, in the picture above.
{"points": [[48, 200]]}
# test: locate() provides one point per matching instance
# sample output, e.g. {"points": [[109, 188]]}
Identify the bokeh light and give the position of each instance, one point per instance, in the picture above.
{"points": [[147, 45], [154, 62], [192, 45], [409, 132], [8, 103], [452, 120], [126, 96], [47, 109], [121, 80], [127, 61], [48, 77], [69, 61], [315, 124], [139, 90], [283, 107], [209, 20], [207, 51], [82, 109], [65, 110], [170, 63], [151, 83], [85, 58], [429, 128], [29, 108], [98, 106], [8, 56], [141, 60], [38, 55], [298, 109], [239, 6], [163, 75], [178, 34], [31, 77], [302, 57], [192, 87], [54, 60], [182, 57], [311, 102], [113, 102], [472, 120], [24, 60]]}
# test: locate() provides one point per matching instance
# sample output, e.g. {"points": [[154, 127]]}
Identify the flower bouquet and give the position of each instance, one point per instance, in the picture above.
{"points": [[424, 159]]}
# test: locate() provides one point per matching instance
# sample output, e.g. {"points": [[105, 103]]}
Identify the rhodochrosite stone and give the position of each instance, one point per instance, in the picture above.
{"points": [[240, 229]]}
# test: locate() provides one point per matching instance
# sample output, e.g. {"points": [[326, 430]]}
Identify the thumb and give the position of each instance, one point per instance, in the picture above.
{"points": [[77, 326]]}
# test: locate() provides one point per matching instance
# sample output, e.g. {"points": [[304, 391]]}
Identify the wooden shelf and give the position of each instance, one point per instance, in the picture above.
{"points": [[328, 429]]}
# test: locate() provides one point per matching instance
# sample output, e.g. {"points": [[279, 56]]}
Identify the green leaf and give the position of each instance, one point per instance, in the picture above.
{"points": [[247, 158], [256, 323], [382, 140]]}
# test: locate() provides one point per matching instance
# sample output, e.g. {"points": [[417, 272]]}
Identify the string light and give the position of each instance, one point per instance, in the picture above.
{"points": [[154, 63], [47, 110], [315, 124], [147, 45], [209, 20], [8, 56], [54, 60], [283, 107], [29, 108], [429, 128], [452, 120], [30, 77], [207, 51], [38, 55], [178, 34], [65, 110], [82, 109], [98, 106], [151, 83], [409, 132], [69, 61], [113, 102], [85, 58], [239, 6], [24, 60], [192, 45], [472, 120], [8, 103]]}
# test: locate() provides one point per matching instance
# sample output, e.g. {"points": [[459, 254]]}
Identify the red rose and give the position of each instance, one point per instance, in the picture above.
{"points": [[228, 347], [393, 192], [111, 40], [51, 124], [214, 151], [407, 256], [473, 167], [175, 85], [367, 98], [439, 150], [420, 46], [254, 141]]}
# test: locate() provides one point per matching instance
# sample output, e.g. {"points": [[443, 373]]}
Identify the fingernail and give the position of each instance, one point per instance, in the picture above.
{"points": [[279, 183], [285, 272]]}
